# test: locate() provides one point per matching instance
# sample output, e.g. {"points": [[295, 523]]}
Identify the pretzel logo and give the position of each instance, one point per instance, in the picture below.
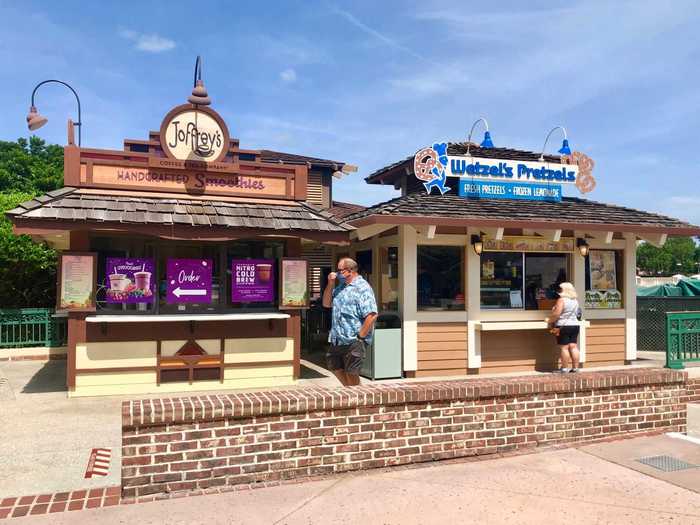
{"points": [[423, 164], [429, 166], [585, 181]]}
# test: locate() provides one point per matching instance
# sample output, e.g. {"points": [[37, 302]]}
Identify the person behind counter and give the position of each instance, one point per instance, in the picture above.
{"points": [[565, 317], [354, 313]]}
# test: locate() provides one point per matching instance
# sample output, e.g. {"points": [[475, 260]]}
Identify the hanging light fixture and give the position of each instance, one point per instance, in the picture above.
{"points": [[487, 142], [477, 244], [35, 120], [564, 150], [199, 96], [582, 246]]}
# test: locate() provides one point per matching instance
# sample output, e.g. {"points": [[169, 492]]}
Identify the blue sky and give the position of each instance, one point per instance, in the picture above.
{"points": [[370, 82]]}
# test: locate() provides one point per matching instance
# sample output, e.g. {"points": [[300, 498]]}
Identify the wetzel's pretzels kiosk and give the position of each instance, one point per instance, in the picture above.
{"points": [[181, 263], [472, 252]]}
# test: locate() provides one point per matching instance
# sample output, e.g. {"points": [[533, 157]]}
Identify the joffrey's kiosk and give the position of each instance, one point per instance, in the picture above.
{"points": [[180, 264], [472, 252]]}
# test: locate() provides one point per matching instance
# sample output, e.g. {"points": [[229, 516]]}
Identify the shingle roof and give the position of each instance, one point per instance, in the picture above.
{"points": [[340, 210], [71, 204], [570, 211], [460, 148], [290, 158]]}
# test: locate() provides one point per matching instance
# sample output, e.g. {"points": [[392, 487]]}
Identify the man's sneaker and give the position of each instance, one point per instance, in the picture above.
{"points": [[562, 371], [575, 370]]}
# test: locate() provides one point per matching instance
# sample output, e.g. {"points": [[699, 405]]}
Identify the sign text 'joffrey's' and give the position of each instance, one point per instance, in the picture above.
{"points": [[194, 134]]}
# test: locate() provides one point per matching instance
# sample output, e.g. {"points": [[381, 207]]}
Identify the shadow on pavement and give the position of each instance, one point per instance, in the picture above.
{"points": [[309, 373], [49, 378]]}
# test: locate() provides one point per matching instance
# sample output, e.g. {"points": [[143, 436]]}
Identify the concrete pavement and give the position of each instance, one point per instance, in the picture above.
{"points": [[563, 486]]}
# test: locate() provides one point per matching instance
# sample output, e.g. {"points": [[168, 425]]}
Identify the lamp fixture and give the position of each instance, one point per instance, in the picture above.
{"points": [[36, 120], [199, 96], [582, 246], [477, 244], [487, 142], [564, 150]]}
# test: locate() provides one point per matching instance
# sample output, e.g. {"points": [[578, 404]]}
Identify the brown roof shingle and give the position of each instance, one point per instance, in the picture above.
{"points": [[72, 205], [572, 212]]}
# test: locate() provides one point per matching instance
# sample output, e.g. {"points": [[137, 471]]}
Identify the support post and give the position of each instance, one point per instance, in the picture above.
{"points": [[408, 277], [630, 269], [473, 296]]}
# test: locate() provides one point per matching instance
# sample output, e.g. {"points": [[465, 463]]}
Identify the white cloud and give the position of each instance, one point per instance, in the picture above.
{"points": [[288, 76], [152, 43], [684, 207]]}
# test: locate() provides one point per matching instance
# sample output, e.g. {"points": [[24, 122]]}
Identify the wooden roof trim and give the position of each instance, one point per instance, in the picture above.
{"points": [[423, 220], [186, 196]]}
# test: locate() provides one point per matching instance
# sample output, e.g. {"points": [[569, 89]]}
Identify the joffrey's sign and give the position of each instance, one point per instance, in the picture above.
{"points": [[192, 154], [194, 134]]}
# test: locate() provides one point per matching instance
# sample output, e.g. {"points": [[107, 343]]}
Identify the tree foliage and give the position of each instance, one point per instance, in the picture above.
{"points": [[678, 255], [27, 268]]}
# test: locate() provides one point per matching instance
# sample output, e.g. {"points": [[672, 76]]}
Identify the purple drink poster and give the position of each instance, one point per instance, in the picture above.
{"points": [[129, 280], [252, 280], [189, 281]]}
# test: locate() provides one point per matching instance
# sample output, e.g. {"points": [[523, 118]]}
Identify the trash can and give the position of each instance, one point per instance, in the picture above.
{"points": [[383, 359]]}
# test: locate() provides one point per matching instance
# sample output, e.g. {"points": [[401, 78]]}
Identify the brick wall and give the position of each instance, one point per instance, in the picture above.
{"points": [[693, 390], [201, 442]]}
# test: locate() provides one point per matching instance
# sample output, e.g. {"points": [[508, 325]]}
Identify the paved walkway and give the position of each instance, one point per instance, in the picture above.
{"points": [[564, 486]]}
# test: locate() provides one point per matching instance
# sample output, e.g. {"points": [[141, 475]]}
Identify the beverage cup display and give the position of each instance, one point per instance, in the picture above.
{"points": [[118, 282], [142, 280], [264, 272]]}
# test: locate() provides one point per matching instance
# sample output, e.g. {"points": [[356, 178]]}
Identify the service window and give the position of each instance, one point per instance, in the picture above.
{"points": [[516, 280], [440, 282]]}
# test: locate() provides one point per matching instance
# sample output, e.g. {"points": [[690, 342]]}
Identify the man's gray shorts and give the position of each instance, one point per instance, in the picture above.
{"points": [[347, 357]]}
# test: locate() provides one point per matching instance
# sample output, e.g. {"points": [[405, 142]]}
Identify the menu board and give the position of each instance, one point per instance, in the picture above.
{"points": [[129, 280], [252, 280], [76, 281], [528, 244], [188, 281], [601, 265], [294, 284]]}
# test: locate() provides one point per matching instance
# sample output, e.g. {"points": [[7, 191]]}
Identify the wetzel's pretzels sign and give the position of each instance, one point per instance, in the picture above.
{"points": [[433, 166]]}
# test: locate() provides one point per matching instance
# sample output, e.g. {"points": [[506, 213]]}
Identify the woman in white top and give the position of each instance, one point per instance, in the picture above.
{"points": [[565, 316]]}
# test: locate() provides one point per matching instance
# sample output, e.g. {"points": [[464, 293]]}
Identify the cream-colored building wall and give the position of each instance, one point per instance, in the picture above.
{"points": [[258, 349], [170, 348], [111, 389], [115, 354], [258, 372]]}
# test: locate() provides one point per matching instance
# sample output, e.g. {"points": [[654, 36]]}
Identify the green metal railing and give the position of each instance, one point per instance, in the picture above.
{"points": [[32, 327], [682, 338]]}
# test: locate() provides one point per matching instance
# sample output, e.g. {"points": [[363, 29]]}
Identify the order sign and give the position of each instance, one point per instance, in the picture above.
{"points": [[189, 281]]}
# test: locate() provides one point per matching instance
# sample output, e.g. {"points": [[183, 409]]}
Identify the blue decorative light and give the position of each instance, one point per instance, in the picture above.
{"points": [[565, 150], [487, 142]]}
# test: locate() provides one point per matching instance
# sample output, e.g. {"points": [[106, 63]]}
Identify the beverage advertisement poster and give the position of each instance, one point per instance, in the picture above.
{"points": [[129, 280], [77, 274], [252, 280], [601, 264], [188, 281], [294, 284]]}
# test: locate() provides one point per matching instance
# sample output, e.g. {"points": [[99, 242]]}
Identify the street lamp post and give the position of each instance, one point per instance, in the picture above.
{"points": [[35, 120]]}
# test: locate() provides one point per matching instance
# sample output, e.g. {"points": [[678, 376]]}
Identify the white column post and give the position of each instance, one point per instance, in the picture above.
{"points": [[630, 268], [473, 292], [579, 282], [408, 295]]}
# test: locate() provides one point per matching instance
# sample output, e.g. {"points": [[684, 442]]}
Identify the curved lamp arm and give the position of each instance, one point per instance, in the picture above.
{"points": [[77, 98], [471, 131], [565, 143]]}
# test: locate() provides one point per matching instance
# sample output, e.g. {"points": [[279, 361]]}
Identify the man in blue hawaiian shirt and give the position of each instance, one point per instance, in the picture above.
{"points": [[354, 314]]}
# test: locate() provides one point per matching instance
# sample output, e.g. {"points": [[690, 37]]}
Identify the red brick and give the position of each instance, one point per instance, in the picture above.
{"points": [[20, 511], [39, 509], [76, 504]]}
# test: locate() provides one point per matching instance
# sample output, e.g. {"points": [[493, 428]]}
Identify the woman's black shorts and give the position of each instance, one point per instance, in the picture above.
{"points": [[567, 335]]}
